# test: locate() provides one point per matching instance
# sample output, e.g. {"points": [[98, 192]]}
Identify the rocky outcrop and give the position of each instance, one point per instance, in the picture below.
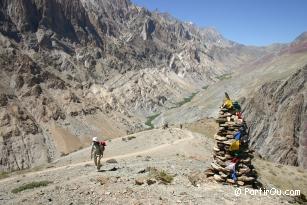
{"points": [[22, 142], [67, 19], [276, 113], [148, 29], [86, 67]]}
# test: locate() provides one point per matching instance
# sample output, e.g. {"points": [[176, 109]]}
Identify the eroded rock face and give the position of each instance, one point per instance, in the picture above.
{"points": [[277, 116], [22, 142], [68, 19], [88, 68], [148, 29]]}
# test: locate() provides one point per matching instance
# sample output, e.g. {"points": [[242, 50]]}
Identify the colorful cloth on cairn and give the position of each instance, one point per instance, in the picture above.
{"points": [[235, 146]]}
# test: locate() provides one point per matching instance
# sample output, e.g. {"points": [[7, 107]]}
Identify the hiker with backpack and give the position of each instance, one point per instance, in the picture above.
{"points": [[97, 150]]}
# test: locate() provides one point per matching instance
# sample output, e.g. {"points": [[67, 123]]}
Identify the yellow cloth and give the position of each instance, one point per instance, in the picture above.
{"points": [[228, 104], [235, 145]]}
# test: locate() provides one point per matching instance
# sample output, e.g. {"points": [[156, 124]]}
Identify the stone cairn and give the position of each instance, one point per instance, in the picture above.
{"points": [[231, 154]]}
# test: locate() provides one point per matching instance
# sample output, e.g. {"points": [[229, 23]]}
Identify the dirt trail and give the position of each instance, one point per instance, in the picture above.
{"points": [[146, 151]]}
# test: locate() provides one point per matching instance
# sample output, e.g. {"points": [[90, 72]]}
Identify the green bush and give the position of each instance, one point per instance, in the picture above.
{"points": [[160, 175], [31, 185], [224, 77], [186, 100], [3, 175], [150, 119], [131, 137]]}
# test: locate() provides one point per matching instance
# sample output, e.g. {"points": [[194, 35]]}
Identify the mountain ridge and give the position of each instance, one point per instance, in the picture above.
{"points": [[99, 61]]}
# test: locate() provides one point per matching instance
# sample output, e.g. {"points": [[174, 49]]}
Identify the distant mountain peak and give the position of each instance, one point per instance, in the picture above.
{"points": [[301, 38]]}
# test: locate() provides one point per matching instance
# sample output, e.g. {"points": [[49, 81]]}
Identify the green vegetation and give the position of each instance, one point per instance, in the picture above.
{"points": [[31, 185], [160, 175], [128, 138], [186, 100], [3, 175], [64, 154], [150, 119], [205, 87], [131, 137], [224, 77]]}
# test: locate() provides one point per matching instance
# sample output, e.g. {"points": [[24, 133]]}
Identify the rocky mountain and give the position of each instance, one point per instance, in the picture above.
{"points": [[273, 87], [277, 116], [301, 38], [71, 70]]}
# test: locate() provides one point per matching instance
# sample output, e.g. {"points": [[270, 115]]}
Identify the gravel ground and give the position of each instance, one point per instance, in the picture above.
{"points": [[180, 153]]}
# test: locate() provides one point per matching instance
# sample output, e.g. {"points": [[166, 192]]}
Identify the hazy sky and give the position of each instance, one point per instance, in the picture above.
{"points": [[251, 22]]}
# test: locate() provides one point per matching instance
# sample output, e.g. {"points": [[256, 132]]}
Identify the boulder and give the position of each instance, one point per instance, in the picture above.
{"points": [[140, 181], [231, 181], [246, 179], [240, 183], [219, 138], [218, 178]]}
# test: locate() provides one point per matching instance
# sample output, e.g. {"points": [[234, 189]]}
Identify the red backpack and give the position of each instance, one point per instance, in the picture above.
{"points": [[102, 145]]}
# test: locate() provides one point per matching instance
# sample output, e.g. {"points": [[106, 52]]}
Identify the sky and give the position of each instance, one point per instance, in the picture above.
{"points": [[251, 22]]}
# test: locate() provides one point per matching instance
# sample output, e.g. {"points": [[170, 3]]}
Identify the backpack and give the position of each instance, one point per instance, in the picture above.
{"points": [[102, 145]]}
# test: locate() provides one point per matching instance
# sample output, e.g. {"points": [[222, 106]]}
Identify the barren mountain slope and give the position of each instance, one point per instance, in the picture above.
{"points": [[249, 81], [71, 70], [243, 81], [277, 116]]}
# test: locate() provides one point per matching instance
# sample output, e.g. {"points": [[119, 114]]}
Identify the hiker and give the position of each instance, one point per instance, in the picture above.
{"points": [[180, 126], [165, 126], [97, 149]]}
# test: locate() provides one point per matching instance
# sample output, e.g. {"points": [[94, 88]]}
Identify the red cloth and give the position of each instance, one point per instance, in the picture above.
{"points": [[235, 160], [239, 115]]}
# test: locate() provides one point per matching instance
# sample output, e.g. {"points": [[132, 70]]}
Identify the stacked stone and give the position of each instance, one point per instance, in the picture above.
{"points": [[232, 166]]}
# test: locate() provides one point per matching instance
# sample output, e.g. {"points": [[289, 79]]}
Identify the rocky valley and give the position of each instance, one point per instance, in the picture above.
{"points": [[72, 70]]}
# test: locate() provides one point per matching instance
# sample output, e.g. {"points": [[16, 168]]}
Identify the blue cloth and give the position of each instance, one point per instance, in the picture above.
{"points": [[234, 175], [237, 135]]}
